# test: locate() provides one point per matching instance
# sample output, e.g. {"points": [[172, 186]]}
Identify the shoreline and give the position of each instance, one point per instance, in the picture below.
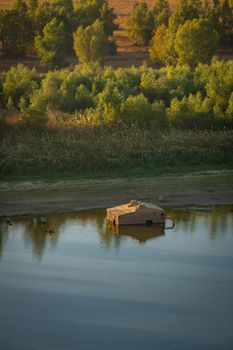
{"points": [[38, 197]]}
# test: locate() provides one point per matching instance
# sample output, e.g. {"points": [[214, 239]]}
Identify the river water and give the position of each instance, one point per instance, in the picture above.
{"points": [[89, 286]]}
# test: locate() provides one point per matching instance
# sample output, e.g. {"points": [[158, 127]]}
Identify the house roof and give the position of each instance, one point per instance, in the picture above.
{"points": [[132, 207]]}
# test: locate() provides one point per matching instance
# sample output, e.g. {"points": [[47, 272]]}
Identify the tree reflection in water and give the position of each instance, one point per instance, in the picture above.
{"points": [[216, 221]]}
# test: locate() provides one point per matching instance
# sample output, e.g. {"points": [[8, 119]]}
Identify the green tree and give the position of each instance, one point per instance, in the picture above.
{"points": [[83, 98], [193, 112], [137, 109], [140, 24], [162, 46], [196, 41], [185, 10], [91, 43], [88, 11], [161, 12], [109, 103], [216, 82], [16, 34], [224, 13], [107, 17], [19, 83], [51, 46]]}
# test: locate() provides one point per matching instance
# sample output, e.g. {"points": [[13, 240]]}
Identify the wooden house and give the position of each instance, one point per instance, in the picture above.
{"points": [[136, 212]]}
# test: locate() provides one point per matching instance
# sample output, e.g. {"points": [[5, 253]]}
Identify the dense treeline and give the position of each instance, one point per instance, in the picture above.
{"points": [[55, 30], [189, 35], [171, 96], [48, 28], [143, 22]]}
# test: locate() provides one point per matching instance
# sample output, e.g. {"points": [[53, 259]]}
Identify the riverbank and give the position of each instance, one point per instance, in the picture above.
{"points": [[40, 197]]}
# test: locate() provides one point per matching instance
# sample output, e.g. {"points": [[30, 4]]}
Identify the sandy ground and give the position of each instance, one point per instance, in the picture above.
{"points": [[19, 198]]}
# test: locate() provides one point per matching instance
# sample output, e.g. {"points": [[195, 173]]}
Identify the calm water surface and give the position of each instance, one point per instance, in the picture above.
{"points": [[87, 287]]}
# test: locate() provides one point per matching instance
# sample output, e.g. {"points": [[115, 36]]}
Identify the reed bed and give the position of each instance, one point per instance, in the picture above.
{"points": [[87, 148]]}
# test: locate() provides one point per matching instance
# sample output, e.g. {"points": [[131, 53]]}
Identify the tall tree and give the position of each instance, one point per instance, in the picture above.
{"points": [[186, 10], [162, 46], [224, 12], [140, 24], [91, 43], [196, 41], [51, 45], [161, 12], [16, 34]]}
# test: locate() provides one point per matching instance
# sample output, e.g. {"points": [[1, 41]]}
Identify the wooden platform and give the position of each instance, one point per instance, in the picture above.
{"points": [[135, 213]]}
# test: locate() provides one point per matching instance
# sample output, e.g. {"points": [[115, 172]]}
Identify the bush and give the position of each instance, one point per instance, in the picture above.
{"points": [[35, 116], [138, 110], [191, 112], [20, 82]]}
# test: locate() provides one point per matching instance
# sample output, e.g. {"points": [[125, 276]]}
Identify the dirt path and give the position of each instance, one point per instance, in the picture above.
{"points": [[63, 196]]}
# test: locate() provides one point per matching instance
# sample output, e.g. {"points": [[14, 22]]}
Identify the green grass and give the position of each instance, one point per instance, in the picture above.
{"points": [[90, 151]]}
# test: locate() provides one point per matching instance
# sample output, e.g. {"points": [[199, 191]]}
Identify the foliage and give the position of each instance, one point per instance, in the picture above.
{"points": [[109, 104], [176, 96], [162, 46], [216, 82], [25, 22], [16, 35], [222, 15], [186, 10], [19, 84], [191, 112], [91, 43], [161, 13], [196, 41], [51, 46], [35, 116], [140, 24], [138, 110]]}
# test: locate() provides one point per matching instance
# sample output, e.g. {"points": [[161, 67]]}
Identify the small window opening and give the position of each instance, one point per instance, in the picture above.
{"points": [[149, 222]]}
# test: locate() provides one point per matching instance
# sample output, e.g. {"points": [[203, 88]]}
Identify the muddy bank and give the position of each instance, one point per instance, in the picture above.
{"points": [[18, 198]]}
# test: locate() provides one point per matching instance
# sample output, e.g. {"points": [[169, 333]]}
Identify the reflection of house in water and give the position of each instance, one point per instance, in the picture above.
{"points": [[140, 233]]}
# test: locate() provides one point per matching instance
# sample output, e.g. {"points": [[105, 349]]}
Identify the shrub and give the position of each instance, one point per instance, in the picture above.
{"points": [[35, 116], [137, 109], [109, 104], [19, 83], [191, 112]]}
